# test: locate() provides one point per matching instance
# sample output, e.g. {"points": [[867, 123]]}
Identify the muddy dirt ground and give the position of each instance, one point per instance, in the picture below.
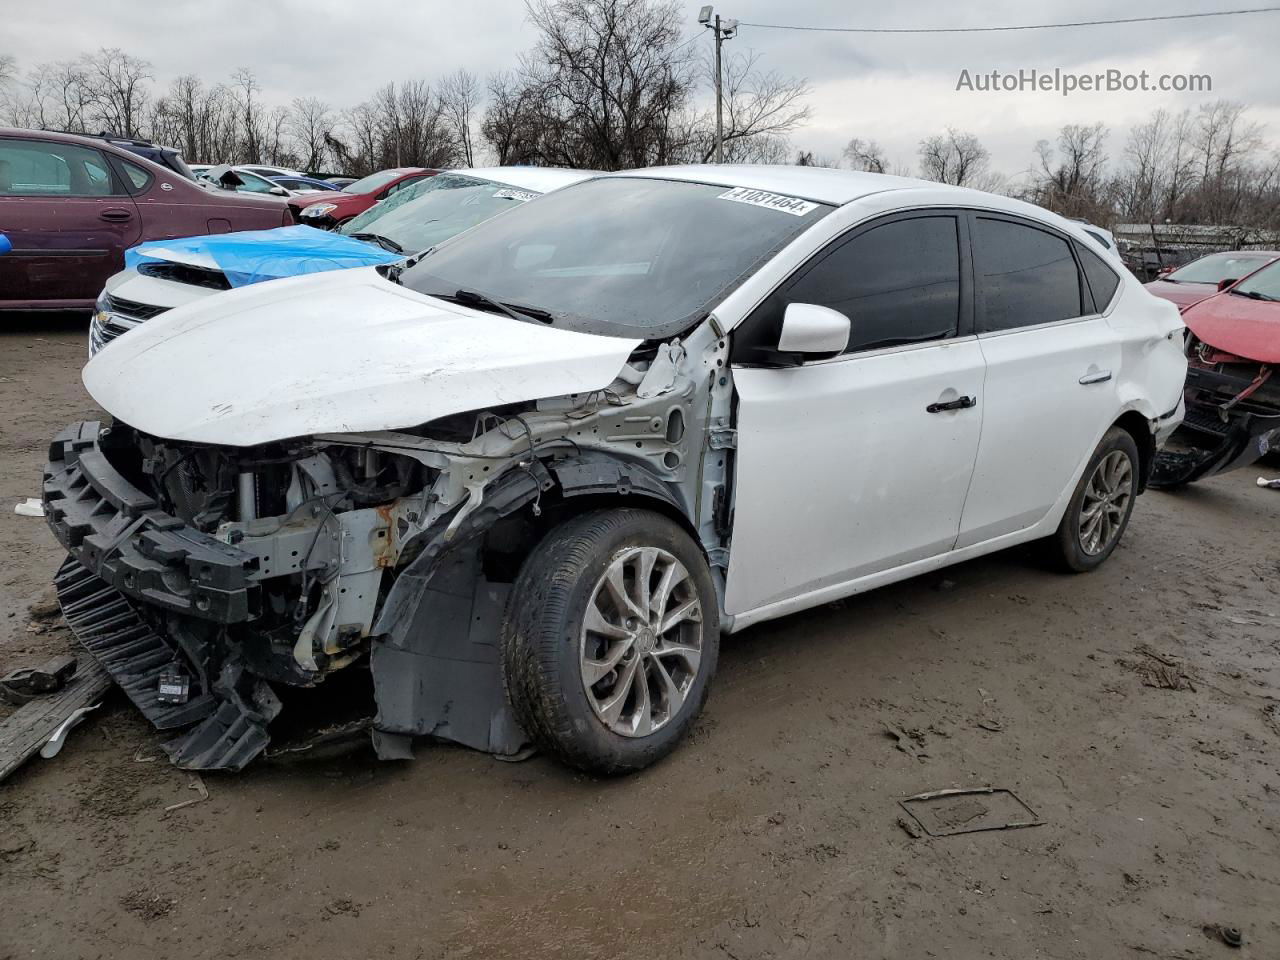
{"points": [[1136, 711]]}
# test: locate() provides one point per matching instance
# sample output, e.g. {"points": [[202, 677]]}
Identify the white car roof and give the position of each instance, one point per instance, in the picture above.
{"points": [[839, 187], [540, 179], [823, 184]]}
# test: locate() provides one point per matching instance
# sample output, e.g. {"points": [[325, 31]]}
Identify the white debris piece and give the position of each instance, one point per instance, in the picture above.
{"points": [[1272, 484], [30, 507]]}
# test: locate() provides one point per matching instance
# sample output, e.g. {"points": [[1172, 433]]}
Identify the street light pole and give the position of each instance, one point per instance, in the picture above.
{"points": [[719, 98], [725, 30]]}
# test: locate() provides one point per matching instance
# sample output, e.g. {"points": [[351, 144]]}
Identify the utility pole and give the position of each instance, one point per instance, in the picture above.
{"points": [[725, 30]]}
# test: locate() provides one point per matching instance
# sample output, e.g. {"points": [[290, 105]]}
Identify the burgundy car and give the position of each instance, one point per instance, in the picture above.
{"points": [[327, 209], [1201, 278], [1233, 391], [71, 206]]}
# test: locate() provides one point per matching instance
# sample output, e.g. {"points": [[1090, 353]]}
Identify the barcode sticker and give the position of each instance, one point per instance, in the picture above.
{"points": [[773, 201]]}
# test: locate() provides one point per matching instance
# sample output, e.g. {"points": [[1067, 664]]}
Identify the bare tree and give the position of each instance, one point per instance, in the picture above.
{"points": [[116, 90], [510, 125], [411, 127], [866, 155], [1070, 178], [245, 90], [460, 95], [310, 123], [955, 157], [606, 83]]}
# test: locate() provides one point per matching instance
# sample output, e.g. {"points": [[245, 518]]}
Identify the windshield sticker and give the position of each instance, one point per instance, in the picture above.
{"points": [[524, 196], [774, 201]]}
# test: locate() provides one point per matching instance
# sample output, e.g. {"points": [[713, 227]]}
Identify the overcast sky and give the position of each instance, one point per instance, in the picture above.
{"points": [[893, 89]]}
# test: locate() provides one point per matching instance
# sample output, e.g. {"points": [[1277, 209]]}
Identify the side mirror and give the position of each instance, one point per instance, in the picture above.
{"points": [[5, 245], [809, 328], [278, 192], [1223, 284]]}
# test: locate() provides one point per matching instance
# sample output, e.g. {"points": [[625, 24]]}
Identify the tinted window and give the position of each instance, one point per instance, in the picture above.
{"points": [[897, 283], [1102, 279], [1026, 276], [32, 168]]}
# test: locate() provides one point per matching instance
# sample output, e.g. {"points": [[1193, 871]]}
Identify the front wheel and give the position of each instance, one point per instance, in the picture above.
{"points": [[611, 639], [1099, 510]]}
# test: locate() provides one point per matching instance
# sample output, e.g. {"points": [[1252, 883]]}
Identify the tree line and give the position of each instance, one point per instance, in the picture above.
{"points": [[609, 84], [1208, 165], [612, 84]]}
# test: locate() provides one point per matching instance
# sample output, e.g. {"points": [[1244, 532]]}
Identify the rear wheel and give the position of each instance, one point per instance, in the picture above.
{"points": [[1099, 510], [611, 639]]}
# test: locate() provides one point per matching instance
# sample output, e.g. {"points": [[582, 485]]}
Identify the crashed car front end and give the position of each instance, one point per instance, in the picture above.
{"points": [[1232, 416], [204, 577]]}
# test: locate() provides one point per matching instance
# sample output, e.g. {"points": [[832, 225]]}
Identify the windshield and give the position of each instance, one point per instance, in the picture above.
{"points": [[372, 182], [436, 209], [621, 256], [1218, 267], [1263, 285]]}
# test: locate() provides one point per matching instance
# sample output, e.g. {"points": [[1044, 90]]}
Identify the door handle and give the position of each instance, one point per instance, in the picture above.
{"points": [[961, 403], [115, 215], [1098, 376]]}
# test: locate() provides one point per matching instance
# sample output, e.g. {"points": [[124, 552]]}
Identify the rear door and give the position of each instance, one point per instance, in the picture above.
{"points": [[69, 219], [854, 465], [1052, 368]]}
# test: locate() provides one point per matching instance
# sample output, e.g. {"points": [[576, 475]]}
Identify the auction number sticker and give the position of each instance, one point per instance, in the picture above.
{"points": [[774, 201], [522, 195]]}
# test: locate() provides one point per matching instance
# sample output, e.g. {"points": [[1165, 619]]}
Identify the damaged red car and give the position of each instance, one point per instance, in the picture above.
{"points": [[1193, 282], [1233, 391]]}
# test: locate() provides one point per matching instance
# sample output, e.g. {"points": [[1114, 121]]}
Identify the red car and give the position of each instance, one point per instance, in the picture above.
{"points": [[1233, 388], [328, 209], [1201, 278], [72, 205]]}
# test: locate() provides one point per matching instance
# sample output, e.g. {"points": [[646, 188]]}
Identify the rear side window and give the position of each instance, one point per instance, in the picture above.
{"points": [[1026, 276], [40, 168], [897, 283], [1102, 279], [138, 178]]}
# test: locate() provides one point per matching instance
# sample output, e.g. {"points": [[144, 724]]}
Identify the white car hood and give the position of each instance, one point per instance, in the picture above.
{"points": [[334, 352]]}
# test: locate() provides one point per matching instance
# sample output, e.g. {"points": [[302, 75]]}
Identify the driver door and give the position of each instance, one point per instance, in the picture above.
{"points": [[852, 465]]}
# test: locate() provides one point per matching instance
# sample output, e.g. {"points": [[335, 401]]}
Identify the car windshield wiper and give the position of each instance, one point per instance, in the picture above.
{"points": [[1255, 295], [385, 242], [515, 311]]}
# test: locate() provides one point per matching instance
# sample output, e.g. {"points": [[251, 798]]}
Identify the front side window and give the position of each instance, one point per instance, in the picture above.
{"points": [[619, 256], [36, 168], [1026, 276], [897, 283]]}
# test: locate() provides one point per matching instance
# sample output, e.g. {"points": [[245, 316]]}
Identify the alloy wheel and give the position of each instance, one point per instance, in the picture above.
{"points": [[641, 643], [1106, 501]]}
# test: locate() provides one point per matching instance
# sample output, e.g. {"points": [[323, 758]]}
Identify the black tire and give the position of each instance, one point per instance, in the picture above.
{"points": [[1065, 549], [542, 639]]}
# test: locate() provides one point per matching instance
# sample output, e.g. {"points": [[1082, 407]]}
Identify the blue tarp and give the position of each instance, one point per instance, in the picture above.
{"points": [[252, 256]]}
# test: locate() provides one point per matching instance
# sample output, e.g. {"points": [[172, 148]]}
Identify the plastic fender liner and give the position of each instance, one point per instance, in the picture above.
{"points": [[435, 660], [602, 474]]}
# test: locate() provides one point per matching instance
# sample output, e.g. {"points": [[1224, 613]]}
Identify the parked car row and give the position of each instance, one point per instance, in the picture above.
{"points": [[535, 463], [414, 219], [72, 204]]}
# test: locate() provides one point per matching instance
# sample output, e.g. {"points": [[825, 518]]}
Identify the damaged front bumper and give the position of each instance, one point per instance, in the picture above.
{"points": [[153, 598], [1219, 433]]}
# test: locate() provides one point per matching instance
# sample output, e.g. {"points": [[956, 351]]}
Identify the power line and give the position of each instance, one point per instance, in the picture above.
{"points": [[1028, 26]]}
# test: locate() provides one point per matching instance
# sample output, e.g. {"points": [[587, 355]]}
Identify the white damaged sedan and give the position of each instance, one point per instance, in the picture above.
{"points": [[534, 475]]}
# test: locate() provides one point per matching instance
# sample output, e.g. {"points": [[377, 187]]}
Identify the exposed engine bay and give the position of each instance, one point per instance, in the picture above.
{"points": [[203, 576]]}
